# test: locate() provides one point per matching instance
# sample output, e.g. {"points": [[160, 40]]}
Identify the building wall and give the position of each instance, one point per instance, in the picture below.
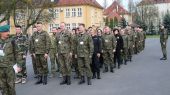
{"points": [[90, 16]]}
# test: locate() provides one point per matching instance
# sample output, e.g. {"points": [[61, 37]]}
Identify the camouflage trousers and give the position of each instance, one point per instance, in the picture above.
{"points": [[7, 80], [108, 57], [65, 64], [130, 51], [163, 47], [22, 64], [42, 65], [34, 65], [136, 48], [75, 66], [54, 61], [84, 66], [125, 54]]}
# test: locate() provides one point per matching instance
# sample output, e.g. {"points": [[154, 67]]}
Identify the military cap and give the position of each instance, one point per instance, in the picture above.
{"points": [[4, 28]]}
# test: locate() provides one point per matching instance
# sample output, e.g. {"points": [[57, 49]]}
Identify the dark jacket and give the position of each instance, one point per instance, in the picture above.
{"points": [[97, 42], [119, 45]]}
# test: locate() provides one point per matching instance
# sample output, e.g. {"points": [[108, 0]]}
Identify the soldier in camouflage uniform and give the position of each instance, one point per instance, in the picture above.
{"points": [[141, 34], [124, 33], [53, 53], [22, 43], [64, 53], [40, 49], [163, 41], [108, 49], [137, 38], [75, 62], [84, 49], [32, 56], [131, 42], [8, 59]]}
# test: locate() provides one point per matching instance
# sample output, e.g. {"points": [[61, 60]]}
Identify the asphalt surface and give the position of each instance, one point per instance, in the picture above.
{"points": [[145, 75]]}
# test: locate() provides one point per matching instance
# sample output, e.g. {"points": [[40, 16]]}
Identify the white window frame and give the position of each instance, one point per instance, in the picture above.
{"points": [[74, 25], [79, 12], [73, 12], [67, 12], [68, 26]]}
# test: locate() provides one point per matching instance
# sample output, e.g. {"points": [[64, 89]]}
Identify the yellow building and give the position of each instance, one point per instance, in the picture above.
{"points": [[73, 12]]}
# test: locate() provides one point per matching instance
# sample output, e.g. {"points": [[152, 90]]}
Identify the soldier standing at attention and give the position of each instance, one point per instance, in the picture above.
{"points": [[108, 49], [8, 59], [119, 47], [136, 48], [64, 53], [84, 54], [96, 55], [99, 34], [74, 61], [32, 56], [22, 43], [124, 33], [163, 41], [53, 53], [41, 47], [131, 42]]}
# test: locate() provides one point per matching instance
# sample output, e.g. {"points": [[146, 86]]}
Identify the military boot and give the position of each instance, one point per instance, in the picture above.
{"points": [[89, 81], [125, 62], [82, 80], [64, 80], [94, 75], [39, 81], [44, 79], [105, 70], [68, 80], [111, 70]]}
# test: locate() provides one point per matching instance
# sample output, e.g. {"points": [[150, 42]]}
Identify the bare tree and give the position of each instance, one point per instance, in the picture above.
{"points": [[148, 12], [131, 6], [26, 12]]}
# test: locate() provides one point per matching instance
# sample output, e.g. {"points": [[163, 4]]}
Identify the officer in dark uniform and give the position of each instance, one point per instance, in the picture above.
{"points": [[119, 47], [96, 55]]}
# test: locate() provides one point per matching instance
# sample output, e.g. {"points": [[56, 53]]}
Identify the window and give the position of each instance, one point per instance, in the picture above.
{"points": [[74, 25], [53, 25], [50, 28], [57, 25], [67, 12], [79, 12], [73, 12], [68, 26], [56, 13]]}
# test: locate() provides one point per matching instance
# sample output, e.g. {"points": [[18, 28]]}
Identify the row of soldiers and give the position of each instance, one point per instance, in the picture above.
{"points": [[84, 50], [87, 51]]}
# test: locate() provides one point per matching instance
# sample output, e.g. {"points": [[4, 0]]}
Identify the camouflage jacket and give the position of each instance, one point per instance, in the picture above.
{"points": [[64, 42], [22, 43], [125, 41], [163, 35], [8, 52], [40, 42], [108, 42], [84, 45]]}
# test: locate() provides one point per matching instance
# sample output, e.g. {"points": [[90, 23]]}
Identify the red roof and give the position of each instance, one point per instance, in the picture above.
{"points": [[144, 2], [117, 7], [79, 2], [113, 15]]}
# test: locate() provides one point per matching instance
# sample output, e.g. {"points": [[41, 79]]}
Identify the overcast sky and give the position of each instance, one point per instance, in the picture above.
{"points": [[124, 2]]}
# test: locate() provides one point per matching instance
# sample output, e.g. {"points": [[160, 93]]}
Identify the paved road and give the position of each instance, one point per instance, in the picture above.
{"points": [[146, 75]]}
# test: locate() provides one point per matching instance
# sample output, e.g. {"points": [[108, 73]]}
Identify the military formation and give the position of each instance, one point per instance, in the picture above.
{"points": [[80, 52]]}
